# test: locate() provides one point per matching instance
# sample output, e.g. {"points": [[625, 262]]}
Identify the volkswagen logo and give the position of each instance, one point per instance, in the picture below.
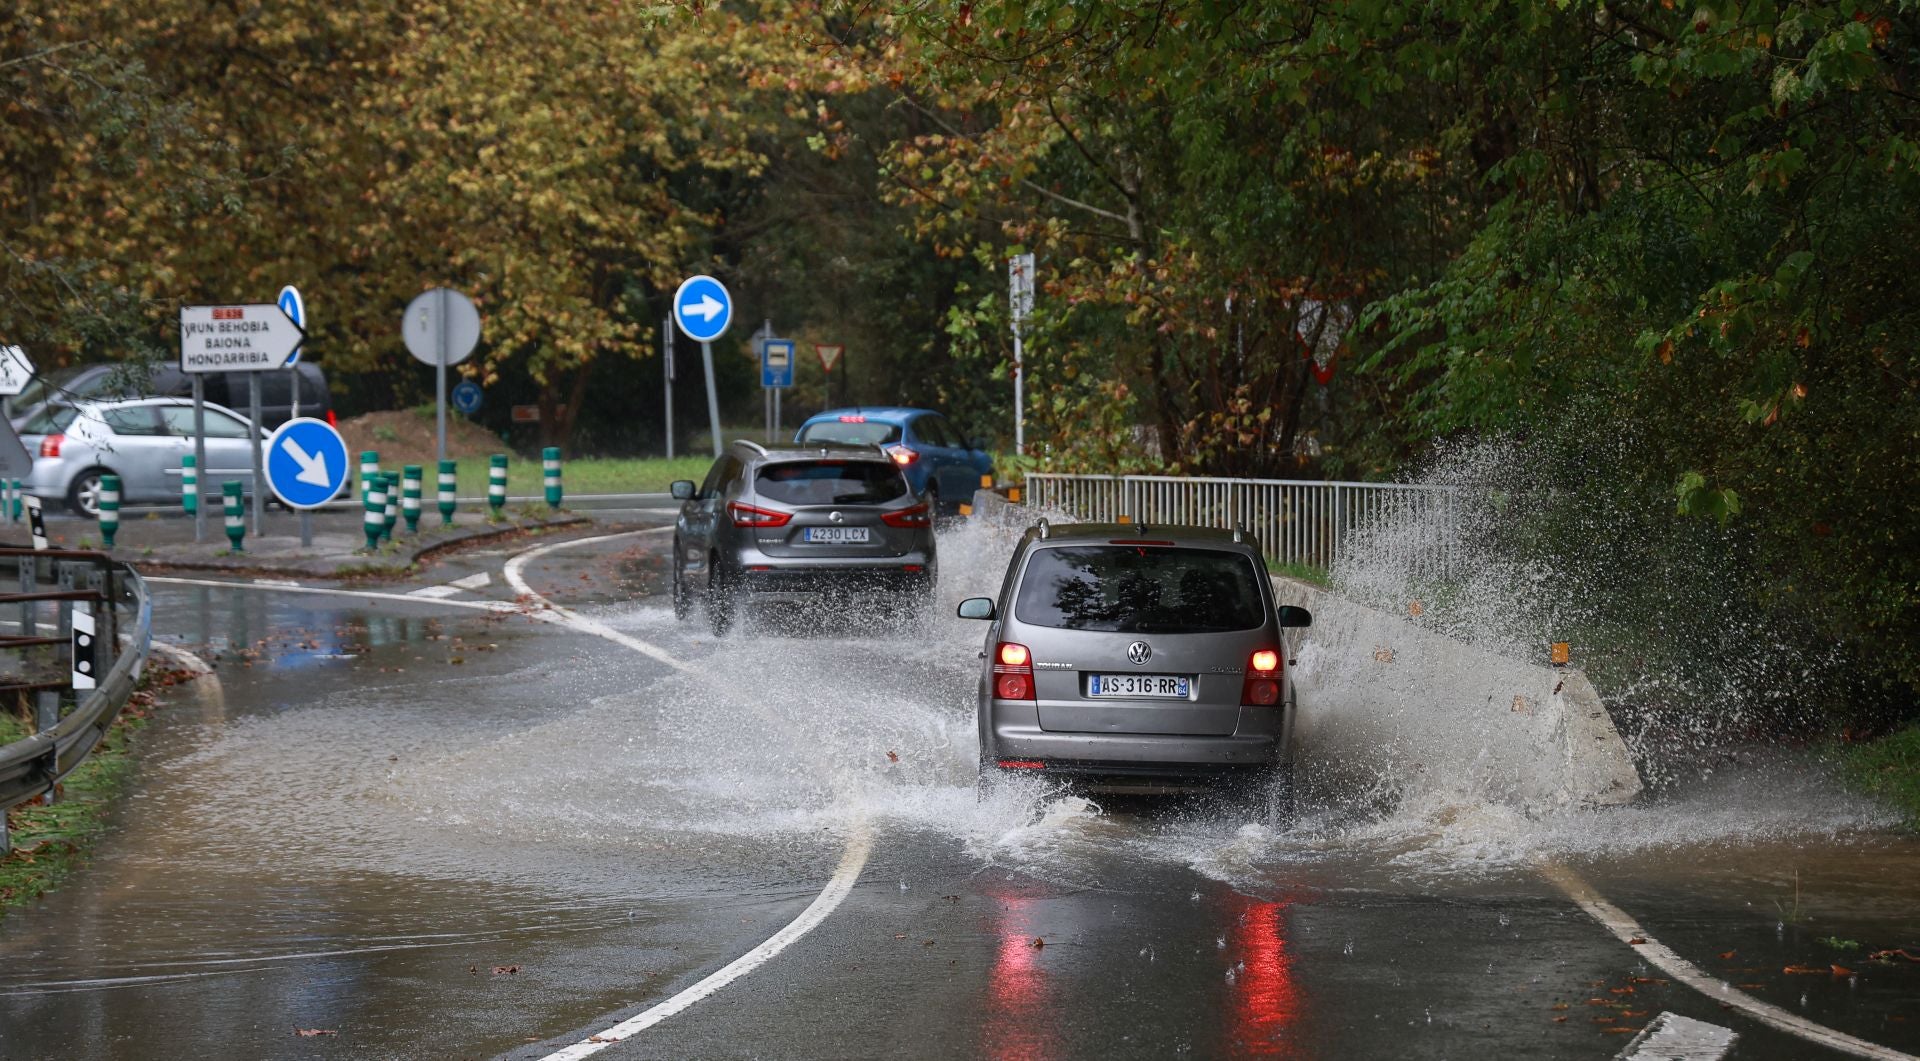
{"points": [[1139, 652], [834, 516]]}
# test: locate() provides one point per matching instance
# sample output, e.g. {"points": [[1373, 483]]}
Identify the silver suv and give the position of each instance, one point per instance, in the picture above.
{"points": [[1137, 658], [792, 523]]}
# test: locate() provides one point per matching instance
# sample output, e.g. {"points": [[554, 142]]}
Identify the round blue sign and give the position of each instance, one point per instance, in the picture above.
{"points": [[296, 311], [466, 397], [306, 462], [703, 308]]}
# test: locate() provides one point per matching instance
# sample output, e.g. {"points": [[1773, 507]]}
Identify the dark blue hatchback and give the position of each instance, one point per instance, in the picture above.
{"points": [[937, 459]]}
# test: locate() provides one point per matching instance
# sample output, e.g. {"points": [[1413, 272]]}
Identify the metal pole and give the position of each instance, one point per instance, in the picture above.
{"points": [[199, 454], [713, 399], [1019, 404], [295, 370], [440, 373], [253, 432], [776, 412], [666, 330], [306, 528]]}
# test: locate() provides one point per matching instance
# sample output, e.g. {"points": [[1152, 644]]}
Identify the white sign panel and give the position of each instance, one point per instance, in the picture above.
{"points": [[15, 370], [1020, 285], [252, 338]]}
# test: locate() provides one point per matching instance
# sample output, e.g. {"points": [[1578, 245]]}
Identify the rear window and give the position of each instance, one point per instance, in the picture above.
{"points": [[1138, 589], [852, 430], [830, 482], [49, 421]]}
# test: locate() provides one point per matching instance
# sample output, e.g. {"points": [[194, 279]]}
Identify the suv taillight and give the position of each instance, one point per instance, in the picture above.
{"points": [[907, 517], [1012, 672], [1262, 685], [902, 455], [50, 446], [745, 515]]}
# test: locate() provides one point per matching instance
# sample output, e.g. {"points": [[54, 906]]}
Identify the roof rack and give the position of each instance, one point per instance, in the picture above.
{"points": [[1239, 531], [749, 442]]}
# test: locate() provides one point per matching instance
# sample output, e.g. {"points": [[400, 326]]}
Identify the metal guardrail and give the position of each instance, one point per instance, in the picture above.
{"points": [[72, 721], [1297, 521]]}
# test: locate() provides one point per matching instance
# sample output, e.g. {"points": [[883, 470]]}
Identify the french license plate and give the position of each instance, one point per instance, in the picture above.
{"points": [[1157, 686], [836, 535]]}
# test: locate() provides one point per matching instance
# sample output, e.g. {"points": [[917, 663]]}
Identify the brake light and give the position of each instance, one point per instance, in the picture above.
{"points": [[853, 419], [1012, 672], [50, 446], [902, 455], [332, 420], [1262, 685], [745, 515], [916, 516]]}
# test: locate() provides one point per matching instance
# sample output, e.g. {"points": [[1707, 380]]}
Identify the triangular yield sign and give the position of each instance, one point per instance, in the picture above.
{"points": [[829, 355]]}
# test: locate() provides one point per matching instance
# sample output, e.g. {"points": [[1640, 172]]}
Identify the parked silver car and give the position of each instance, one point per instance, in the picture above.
{"points": [[1137, 658], [798, 522], [141, 440]]}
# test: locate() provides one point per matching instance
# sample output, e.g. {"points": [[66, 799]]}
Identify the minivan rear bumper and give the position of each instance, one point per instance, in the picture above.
{"points": [[1015, 737]]}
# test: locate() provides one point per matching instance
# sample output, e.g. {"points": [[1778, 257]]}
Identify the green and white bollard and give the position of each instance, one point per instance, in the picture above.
{"points": [[189, 485], [550, 474], [369, 467], [392, 514], [19, 501], [448, 502], [236, 512], [410, 497], [497, 482], [6, 499], [109, 508], [374, 502]]}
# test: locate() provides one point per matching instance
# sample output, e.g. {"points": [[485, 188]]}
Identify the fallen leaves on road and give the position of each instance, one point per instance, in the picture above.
{"points": [[1636, 941], [1889, 955], [603, 1038], [1727, 956], [1804, 970], [893, 756], [1841, 970], [312, 1033], [505, 970], [1037, 943]]}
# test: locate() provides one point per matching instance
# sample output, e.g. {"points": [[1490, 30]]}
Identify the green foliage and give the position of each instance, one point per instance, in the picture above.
{"points": [[1888, 768]]}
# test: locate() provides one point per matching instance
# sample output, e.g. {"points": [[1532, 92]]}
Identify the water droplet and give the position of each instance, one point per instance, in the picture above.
{"points": [[1221, 943], [1230, 976], [1348, 949], [1195, 897]]}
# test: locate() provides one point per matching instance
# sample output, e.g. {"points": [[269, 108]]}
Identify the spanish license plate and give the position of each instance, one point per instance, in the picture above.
{"points": [[835, 535], [1135, 686]]}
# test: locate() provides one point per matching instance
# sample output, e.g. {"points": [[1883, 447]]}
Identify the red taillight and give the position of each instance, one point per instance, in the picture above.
{"points": [[853, 419], [1262, 685], [916, 516], [1012, 672], [902, 455], [745, 515], [332, 420], [1021, 764], [50, 446]]}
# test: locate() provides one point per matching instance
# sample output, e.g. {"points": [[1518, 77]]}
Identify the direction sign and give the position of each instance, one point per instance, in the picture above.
{"points": [[15, 370], [703, 308], [441, 326], [296, 311], [306, 462], [776, 362], [829, 355], [466, 396], [251, 338]]}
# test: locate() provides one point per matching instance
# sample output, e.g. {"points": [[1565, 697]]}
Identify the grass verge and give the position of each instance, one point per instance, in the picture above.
{"points": [[50, 842], [1304, 572], [1888, 768], [586, 475]]}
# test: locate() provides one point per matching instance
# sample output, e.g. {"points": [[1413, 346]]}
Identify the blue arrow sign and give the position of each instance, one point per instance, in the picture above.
{"points": [[703, 308], [466, 397], [306, 462], [776, 363], [296, 310]]}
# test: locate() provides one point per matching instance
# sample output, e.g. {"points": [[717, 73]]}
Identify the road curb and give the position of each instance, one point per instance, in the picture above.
{"points": [[355, 566]]}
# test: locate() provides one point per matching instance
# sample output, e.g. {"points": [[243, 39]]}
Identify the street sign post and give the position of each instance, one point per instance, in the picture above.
{"points": [[251, 338], [296, 310], [703, 309], [306, 467], [830, 355], [466, 397], [1020, 300], [666, 369], [441, 327], [776, 371]]}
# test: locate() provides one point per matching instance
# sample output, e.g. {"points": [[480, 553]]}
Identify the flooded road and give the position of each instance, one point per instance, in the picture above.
{"points": [[442, 827]]}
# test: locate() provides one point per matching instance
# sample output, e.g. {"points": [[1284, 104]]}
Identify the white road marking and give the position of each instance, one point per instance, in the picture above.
{"points": [[327, 591], [1672, 1037], [282, 582], [476, 580], [852, 860], [1628, 931], [436, 592]]}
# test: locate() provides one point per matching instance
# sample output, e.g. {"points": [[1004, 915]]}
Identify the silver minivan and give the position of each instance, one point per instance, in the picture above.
{"points": [[1135, 658]]}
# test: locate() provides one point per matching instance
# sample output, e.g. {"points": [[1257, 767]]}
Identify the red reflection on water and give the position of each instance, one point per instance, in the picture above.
{"points": [[1265, 1001], [1019, 1023]]}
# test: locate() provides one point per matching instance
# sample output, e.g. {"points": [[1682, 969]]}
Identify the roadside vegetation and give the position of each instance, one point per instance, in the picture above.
{"points": [[1888, 768]]}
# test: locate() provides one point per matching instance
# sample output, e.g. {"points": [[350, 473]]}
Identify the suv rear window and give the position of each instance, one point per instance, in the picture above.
{"points": [[1138, 589], [830, 482], [856, 432]]}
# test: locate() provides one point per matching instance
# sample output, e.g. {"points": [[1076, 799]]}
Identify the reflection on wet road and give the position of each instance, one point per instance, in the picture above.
{"points": [[439, 831]]}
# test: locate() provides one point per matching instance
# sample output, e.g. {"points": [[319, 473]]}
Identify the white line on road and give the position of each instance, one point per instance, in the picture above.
{"points": [[1628, 931], [477, 580], [852, 860], [1672, 1037], [326, 591]]}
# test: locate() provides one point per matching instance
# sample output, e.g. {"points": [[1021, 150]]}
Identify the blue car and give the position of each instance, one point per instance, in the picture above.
{"points": [[938, 461]]}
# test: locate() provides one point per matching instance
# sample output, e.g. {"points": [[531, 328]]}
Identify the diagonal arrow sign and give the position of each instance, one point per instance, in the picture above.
{"points": [[313, 467], [706, 309]]}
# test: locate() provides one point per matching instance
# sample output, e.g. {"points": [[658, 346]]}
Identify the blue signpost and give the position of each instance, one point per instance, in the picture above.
{"points": [[306, 467], [776, 363], [295, 308], [703, 309], [466, 397]]}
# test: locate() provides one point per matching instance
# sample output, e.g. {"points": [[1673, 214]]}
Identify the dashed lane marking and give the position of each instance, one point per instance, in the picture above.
{"points": [[1628, 931], [1672, 1037]]}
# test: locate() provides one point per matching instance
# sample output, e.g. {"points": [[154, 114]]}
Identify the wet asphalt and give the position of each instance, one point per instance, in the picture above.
{"points": [[431, 830]]}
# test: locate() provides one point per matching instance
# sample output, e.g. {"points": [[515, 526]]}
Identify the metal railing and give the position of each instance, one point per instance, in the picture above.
{"points": [[44, 658], [1297, 521]]}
